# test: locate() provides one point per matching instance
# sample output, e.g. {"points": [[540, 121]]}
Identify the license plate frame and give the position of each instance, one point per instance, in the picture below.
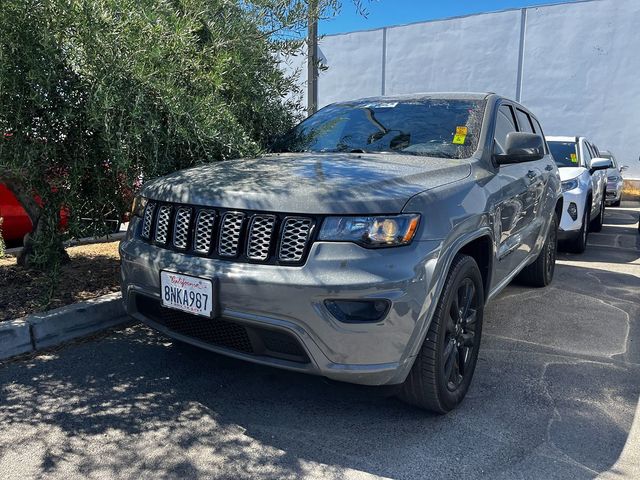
{"points": [[175, 288]]}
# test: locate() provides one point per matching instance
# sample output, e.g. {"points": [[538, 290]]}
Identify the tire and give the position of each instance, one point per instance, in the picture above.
{"points": [[596, 224], [616, 203], [449, 342], [579, 244], [540, 272]]}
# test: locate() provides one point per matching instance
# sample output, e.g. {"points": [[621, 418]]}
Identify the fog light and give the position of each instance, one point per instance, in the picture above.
{"points": [[573, 210], [358, 311]]}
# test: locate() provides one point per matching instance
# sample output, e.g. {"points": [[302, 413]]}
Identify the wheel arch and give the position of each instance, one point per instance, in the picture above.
{"points": [[481, 250]]}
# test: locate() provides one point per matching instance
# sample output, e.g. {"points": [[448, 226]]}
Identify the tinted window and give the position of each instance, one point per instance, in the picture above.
{"points": [[538, 129], [504, 124], [524, 122], [565, 154], [429, 127]]}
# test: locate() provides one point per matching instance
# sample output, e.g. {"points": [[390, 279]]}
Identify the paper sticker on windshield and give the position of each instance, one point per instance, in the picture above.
{"points": [[460, 135], [574, 158]]}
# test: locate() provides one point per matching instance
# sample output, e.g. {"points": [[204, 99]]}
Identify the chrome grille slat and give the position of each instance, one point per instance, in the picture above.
{"points": [[148, 220], [162, 224], [294, 239], [204, 231], [181, 227], [260, 233], [230, 230]]}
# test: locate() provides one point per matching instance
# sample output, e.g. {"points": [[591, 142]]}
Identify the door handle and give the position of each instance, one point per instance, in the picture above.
{"points": [[548, 168], [532, 174]]}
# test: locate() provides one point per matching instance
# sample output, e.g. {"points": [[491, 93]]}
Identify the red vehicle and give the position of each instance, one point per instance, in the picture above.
{"points": [[15, 221]]}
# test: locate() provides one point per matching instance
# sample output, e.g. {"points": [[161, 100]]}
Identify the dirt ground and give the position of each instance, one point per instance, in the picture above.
{"points": [[94, 270]]}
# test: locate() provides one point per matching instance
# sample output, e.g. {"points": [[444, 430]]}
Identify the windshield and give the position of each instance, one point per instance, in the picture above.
{"points": [[565, 154], [429, 127]]}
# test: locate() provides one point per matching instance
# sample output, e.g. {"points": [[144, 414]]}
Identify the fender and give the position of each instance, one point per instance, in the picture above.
{"points": [[439, 273]]}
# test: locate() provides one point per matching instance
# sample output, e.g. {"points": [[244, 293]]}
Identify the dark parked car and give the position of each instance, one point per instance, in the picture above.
{"points": [[364, 251]]}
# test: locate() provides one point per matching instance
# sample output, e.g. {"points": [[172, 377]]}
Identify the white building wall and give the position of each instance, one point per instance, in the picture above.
{"points": [[477, 53], [581, 73], [355, 65], [576, 65]]}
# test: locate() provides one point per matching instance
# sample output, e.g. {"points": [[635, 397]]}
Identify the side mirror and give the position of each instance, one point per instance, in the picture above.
{"points": [[623, 168], [600, 164], [521, 147]]}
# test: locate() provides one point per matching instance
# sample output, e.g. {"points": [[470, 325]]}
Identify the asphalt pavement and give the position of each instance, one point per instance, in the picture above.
{"points": [[555, 395]]}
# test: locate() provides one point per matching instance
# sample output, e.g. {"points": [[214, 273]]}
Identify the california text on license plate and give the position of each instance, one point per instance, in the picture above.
{"points": [[187, 293]]}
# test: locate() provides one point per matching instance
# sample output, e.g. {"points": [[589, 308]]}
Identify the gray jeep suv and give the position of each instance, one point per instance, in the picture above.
{"points": [[363, 249]]}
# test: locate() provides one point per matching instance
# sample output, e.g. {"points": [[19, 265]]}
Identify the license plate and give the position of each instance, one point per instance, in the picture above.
{"points": [[186, 293]]}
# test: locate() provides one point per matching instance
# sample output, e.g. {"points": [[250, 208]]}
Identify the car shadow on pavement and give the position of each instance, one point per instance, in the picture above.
{"points": [[554, 395]]}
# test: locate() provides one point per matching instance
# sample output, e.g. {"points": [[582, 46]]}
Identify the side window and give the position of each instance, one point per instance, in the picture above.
{"points": [[524, 122], [537, 128], [505, 124], [586, 161]]}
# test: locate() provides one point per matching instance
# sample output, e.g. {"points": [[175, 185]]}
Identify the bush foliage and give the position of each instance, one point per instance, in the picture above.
{"points": [[96, 95]]}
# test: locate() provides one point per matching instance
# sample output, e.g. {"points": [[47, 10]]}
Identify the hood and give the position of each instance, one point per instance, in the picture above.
{"points": [[318, 183], [567, 173]]}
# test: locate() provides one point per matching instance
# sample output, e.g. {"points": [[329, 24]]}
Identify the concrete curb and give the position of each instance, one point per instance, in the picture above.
{"points": [[47, 329]]}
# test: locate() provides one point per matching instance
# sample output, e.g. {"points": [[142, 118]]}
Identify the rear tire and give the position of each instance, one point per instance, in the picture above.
{"points": [[540, 272], [579, 244], [616, 203], [596, 225], [443, 369]]}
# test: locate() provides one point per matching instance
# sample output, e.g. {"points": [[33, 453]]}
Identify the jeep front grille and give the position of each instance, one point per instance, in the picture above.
{"points": [[295, 235], [242, 236], [260, 233], [230, 234], [162, 224]]}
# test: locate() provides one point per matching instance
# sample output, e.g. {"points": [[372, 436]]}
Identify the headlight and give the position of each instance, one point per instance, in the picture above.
{"points": [[569, 184], [613, 178], [387, 231], [138, 206]]}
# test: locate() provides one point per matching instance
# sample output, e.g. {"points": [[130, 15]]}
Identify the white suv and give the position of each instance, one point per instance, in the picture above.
{"points": [[584, 183]]}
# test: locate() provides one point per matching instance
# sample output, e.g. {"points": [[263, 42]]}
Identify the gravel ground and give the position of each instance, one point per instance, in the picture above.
{"points": [[555, 396]]}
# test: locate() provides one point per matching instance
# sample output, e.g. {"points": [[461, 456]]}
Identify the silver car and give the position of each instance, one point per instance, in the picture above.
{"points": [[364, 249], [615, 183]]}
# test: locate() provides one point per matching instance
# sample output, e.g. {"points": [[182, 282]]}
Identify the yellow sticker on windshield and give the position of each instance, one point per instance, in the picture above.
{"points": [[574, 158], [459, 139], [461, 131]]}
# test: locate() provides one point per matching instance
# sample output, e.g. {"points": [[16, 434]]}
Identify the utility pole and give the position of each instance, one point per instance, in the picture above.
{"points": [[312, 58]]}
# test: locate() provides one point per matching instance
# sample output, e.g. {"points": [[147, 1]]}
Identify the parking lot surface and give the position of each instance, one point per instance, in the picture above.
{"points": [[555, 395]]}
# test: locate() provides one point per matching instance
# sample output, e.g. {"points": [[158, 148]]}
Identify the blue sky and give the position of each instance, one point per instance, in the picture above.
{"points": [[395, 12]]}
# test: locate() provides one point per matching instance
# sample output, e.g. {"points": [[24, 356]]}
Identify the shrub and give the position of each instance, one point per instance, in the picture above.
{"points": [[97, 95]]}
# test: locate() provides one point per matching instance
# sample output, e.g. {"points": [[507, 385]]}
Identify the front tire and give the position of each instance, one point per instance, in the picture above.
{"points": [[442, 372], [596, 225], [579, 244], [540, 272]]}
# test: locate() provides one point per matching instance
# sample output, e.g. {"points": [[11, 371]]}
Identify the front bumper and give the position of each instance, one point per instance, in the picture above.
{"points": [[570, 227], [614, 192], [291, 300]]}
